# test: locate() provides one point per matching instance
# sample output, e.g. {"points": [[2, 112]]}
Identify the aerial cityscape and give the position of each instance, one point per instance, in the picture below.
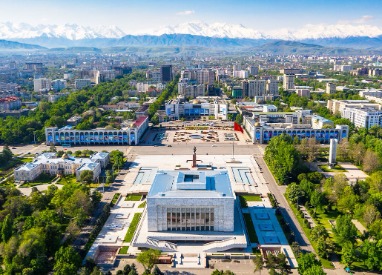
{"points": [[195, 137]]}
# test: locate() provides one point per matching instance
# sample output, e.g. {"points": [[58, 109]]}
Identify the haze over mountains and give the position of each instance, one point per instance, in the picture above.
{"points": [[355, 36]]}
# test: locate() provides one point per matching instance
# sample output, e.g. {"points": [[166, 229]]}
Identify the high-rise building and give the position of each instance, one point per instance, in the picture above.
{"points": [[253, 70], [330, 88], [166, 72], [272, 87], [288, 82], [256, 88], [41, 84], [205, 76], [58, 84]]}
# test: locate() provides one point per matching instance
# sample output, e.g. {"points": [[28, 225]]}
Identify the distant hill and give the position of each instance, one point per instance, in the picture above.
{"points": [[181, 43], [282, 47], [11, 45]]}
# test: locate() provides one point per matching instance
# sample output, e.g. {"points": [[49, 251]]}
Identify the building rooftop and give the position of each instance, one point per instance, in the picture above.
{"points": [[185, 184]]}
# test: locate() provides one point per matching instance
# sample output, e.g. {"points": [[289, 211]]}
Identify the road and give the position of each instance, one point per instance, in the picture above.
{"points": [[286, 211]]}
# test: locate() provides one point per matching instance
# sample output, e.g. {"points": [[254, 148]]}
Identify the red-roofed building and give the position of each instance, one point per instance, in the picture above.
{"points": [[10, 103]]}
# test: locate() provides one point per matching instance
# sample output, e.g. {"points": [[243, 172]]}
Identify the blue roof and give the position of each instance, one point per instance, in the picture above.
{"points": [[180, 184]]}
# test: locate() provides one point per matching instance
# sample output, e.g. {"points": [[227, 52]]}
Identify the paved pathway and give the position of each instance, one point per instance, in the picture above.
{"points": [[287, 213]]}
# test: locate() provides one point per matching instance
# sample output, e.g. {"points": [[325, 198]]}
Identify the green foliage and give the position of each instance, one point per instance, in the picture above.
{"points": [[15, 130], [222, 272], [116, 159], [32, 227], [6, 230], [67, 261], [86, 176], [306, 262], [170, 91], [148, 258], [132, 227], [282, 158], [345, 230]]}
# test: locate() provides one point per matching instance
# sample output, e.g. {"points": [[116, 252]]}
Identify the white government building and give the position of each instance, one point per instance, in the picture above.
{"points": [[191, 201], [68, 136], [191, 206], [49, 163]]}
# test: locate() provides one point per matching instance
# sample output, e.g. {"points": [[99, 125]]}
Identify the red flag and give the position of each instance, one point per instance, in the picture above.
{"points": [[237, 127]]}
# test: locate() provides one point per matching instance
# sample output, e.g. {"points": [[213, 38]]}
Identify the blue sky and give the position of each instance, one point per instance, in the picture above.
{"points": [[135, 15]]}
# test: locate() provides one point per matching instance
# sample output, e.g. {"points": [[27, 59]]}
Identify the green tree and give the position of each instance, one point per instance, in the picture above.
{"points": [[148, 258], [282, 158], [67, 261], [306, 261], [86, 176], [6, 230], [116, 159], [294, 193], [314, 270], [344, 230], [259, 263], [317, 200], [348, 253]]}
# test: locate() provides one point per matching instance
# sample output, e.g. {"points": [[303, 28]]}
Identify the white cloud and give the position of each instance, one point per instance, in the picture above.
{"points": [[361, 20], [187, 12]]}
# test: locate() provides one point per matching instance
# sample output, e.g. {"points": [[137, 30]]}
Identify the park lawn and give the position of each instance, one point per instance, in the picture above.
{"points": [[133, 197], [324, 217], [252, 197], [336, 168], [142, 205], [132, 227], [67, 179], [123, 250], [26, 160], [246, 198], [325, 263], [42, 179], [250, 228]]}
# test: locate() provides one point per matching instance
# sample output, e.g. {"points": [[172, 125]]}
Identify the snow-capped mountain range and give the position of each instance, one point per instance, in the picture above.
{"points": [[10, 31], [239, 31]]}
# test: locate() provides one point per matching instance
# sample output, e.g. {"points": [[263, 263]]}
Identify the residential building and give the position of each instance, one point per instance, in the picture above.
{"points": [[240, 74], [365, 117], [256, 88], [272, 87], [288, 81], [42, 85], [82, 83], [342, 68], [337, 106], [205, 76], [330, 88], [10, 103], [58, 84], [303, 92]]}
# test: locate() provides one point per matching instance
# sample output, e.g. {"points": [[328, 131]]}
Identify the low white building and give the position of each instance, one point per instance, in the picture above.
{"points": [[49, 163]]}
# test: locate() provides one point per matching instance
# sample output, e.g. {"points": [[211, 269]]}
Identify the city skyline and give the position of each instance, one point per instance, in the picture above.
{"points": [[135, 17]]}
